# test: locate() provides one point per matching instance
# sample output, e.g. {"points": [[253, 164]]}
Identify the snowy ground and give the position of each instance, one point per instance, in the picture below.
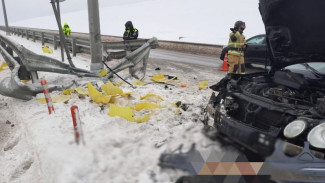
{"points": [[40, 147]]}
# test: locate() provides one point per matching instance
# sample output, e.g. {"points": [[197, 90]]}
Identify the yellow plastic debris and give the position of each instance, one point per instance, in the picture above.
{"points": [[146, 105], [110, 89], [159, 78], [123, 112], [25, 81], [46, 49], [68, 91], [81, 91], [151, 97], [120, 83], [120, 101], [103, 73], [126, 94], [3, 65], [126, 113], [142, 119], [97, 96], [203, 85], [56, 99], [139, 83], [171, 79], [178, 110]]}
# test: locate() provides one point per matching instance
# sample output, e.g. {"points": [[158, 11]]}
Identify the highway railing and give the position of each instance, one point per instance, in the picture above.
{"points": [[79, 42]]}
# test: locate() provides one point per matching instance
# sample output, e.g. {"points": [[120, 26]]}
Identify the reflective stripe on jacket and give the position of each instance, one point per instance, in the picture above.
{"points": [[66, 30], [130, 35], [239, 43]]}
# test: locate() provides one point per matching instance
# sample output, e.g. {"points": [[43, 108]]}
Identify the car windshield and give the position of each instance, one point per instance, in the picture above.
{"points": [[313, 66], [256, 40]]}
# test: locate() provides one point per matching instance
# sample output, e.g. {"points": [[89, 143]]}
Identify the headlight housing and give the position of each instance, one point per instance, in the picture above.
{"points": [[295, 128], [316, 136]]}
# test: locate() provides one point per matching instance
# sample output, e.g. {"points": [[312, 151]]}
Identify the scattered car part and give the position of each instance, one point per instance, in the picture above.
{"points": [[179, 160]]}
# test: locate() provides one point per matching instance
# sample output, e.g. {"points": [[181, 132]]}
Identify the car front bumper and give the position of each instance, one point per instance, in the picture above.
{"points": [[254, 139]]}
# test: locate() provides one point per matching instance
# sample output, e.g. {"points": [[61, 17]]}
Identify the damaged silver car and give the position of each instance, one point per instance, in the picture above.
{"points": [[279, 115]]}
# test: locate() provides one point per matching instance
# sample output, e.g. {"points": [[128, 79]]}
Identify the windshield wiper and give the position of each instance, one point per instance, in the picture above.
{"points": [[313, 70]]}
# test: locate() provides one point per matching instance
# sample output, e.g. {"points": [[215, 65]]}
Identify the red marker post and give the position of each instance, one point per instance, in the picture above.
{"points": [[76, 124], [47, 95]]}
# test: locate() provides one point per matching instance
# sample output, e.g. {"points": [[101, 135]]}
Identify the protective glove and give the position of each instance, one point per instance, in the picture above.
{"points": [[233, 38]]}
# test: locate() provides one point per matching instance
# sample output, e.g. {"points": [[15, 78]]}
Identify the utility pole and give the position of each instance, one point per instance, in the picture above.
{"points": [[95, 36], [5, 16], [60, 32]]}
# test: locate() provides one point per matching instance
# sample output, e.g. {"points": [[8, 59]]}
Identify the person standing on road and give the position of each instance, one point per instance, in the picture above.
{"points": [[66, 30], [130, 33], [235, 49], [237, 46]]}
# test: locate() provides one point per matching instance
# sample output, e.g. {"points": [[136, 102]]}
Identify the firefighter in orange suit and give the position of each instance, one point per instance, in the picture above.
{"points": [[237, 46]]}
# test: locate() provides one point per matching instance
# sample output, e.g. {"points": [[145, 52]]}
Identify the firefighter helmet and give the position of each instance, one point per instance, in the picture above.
{"points": [[238, 24]]}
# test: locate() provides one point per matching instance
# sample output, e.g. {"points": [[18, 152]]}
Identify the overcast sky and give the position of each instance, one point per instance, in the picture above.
{"points": [[18, 10], [200, 21]]}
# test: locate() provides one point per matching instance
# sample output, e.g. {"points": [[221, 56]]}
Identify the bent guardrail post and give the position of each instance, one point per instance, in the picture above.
{"points": [[122, 48], [34, 62], [34, 37], [13, 87], [132, 60]]}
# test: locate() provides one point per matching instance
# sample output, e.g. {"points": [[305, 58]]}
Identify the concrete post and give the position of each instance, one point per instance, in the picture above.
{"points": [[61, 33], [95, 36]]}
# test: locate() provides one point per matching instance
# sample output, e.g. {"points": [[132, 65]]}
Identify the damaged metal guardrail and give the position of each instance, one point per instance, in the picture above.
{"points": [[136, 61], [26, 64]]}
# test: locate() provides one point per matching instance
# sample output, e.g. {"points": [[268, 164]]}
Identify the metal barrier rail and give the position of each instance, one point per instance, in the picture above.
{"points": [[196, 48], [78, 45]]}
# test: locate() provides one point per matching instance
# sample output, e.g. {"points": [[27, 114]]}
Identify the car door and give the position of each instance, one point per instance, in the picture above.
{"points": [[256, 51]]}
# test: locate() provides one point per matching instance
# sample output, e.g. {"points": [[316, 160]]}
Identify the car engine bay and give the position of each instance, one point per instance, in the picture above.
{"points": [[268, 103]]}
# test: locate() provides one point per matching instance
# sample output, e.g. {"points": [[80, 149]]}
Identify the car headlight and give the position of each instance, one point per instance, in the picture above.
{"points": [[294, 128], [316, 136]]}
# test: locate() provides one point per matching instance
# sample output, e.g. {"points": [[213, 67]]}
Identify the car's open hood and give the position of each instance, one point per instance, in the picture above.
{"points": [[295, 30]]}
